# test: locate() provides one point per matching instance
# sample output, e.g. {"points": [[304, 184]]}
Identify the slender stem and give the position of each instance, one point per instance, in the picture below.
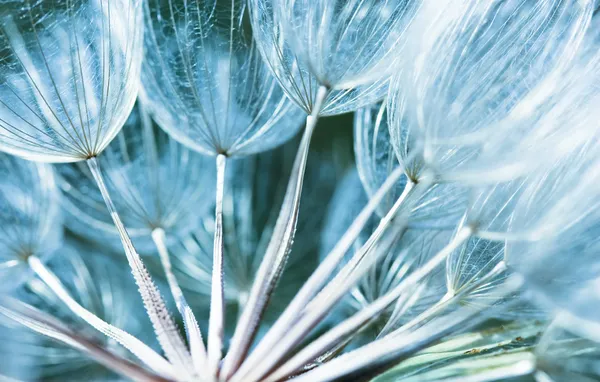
{"points": [[49, 326], [189, 319], [491, 343], [258, 363], [326, 267], [513, 371], [148, 356], [540, 375], [546, 340], [348, 275], [449, 299], [241, 303], [350, 325], [389, 350], [217, 296], [277, 251], [165, 329], [442, 304]]}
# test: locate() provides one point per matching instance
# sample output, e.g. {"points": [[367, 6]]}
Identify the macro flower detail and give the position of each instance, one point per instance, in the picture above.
{"points": [[299, 190]]}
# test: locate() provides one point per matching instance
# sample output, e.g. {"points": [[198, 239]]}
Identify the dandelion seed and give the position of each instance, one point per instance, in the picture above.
{"points": [[563, 354], [102, 286], [157, 183], [491, 59], [29, 215]]}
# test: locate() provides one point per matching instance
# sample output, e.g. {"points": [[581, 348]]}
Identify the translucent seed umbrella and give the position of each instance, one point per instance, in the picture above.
{"points": [[477, 259], [482, 79], [30, 217], [69, 76], [208, 87], [550, 234], [475, 269], [440, 207], [17, 362], [348, 48], [158, 185], [562, 354], [547, 217], [205, 82], [555, 247], [566, 125]]}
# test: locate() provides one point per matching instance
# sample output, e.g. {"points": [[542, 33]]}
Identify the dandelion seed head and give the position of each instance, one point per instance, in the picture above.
{"points": [[460, 241], [69, 76]]}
